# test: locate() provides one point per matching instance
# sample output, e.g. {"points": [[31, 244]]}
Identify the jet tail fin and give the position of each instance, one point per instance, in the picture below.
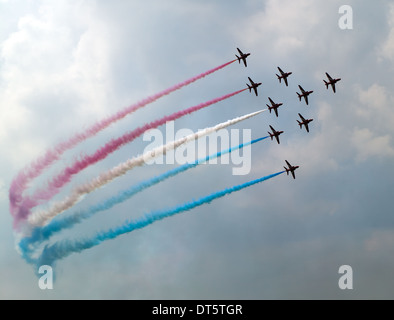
{"points": [[250, 88], [279, 77], [239, 59], [326, 83], [299, 96], [300, 124]]}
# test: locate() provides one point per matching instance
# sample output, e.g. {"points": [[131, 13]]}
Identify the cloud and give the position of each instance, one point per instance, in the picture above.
{"points": [[368, 145], [282, 26], [375, 107], [375, 96], [387, 48], [56, 63], [380, 240], [64, 64]]}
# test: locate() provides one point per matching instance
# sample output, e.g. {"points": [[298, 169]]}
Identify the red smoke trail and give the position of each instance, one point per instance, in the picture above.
{"points": [[24, 177], [65, 176]]}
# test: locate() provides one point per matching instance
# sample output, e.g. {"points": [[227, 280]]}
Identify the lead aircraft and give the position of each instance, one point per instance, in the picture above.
{"points": [[242, 56]]}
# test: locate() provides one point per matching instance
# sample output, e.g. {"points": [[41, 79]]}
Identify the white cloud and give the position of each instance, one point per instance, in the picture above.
{"points": [[387, 49], [281, 27], [56, 62], [369, 145], [375, 96], [375, 108]]}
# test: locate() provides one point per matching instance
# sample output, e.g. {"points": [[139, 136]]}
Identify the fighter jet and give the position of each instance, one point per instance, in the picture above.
{"points": [[274, 106], [304, 94], [283, 75], [242, 57], [253, 86], [290, 169], [304, 122], [331, 82], [275, 134]]}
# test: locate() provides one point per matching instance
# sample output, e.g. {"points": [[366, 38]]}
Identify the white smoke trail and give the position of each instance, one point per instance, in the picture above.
{"points": [[41, 218]]}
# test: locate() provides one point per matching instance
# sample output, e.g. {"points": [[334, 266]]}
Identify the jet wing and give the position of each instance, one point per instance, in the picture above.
{"points": [[328, 76], [277, 139], [240, 52], [306, 127], [255, 91], [306, 99], [273, 130], [244, 60], [285, 78], [276, 112], [272, 103], [302, 90], [287, 162], [280, 70], [333, 86], [302, 118], [293, 174]]}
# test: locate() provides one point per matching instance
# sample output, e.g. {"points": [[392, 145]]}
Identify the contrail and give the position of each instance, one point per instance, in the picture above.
{"points": [[60, 250], [24, 177], [40, 218], [42, 234], [54, 185]]}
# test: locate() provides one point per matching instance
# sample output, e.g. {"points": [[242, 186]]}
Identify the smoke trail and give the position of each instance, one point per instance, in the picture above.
{"points": [[54, 185], [24, 177], [60, 250], [42, 234], [40, 218]]}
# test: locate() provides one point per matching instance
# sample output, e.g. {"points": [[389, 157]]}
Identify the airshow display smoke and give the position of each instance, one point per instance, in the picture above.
{"points": [[35, 229], [40, 234], [55, 184], [36, 168], [62, 249], [40, 218]]}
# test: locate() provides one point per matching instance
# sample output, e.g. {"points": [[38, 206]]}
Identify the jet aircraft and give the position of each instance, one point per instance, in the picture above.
{"points": [[304, 122], [274, 106], [290, 169], [283, 75], [331, 82], [304, 94], [275, 134], [253, 86], [242, 56]]}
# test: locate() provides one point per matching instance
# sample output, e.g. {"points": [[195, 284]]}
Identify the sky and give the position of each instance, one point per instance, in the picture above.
{"points": [[65, 65]]}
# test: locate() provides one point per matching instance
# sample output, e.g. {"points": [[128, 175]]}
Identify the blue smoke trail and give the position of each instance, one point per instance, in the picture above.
{"points": [[40, 234], [60, 250]]}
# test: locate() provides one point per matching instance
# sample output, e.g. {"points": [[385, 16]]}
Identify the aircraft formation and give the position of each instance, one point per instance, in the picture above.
{"points": [[274, 106]]}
